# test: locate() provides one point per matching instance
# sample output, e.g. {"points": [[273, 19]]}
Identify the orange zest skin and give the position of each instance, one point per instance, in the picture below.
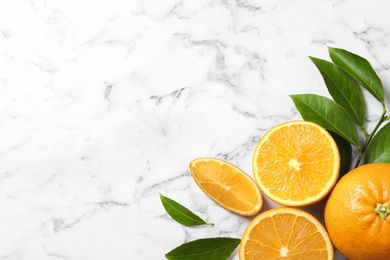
{"points": [[296, 163], [227, 185], [285, 233], [357, 230]]}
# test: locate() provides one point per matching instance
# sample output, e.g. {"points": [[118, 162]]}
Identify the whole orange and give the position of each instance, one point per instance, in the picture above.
{"points": [[357, 213]]}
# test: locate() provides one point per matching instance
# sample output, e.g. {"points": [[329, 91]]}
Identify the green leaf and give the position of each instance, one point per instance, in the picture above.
{"points": [[345, 151], [328, 114], [219, 248], [360, 69], [343, 89], [181, 214], [379, 148]]}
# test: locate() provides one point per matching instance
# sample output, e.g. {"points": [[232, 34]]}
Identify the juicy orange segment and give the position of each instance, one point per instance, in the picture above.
{"points": [[285, 233], [296, 163], [227, 185]]}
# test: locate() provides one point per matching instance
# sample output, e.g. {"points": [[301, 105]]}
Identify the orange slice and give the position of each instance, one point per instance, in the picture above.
{"points": [[227, 185], [285, 233], [296, 163]]}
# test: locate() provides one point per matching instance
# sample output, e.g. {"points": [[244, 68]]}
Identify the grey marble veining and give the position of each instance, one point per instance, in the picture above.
{"points": [[103, 104]]}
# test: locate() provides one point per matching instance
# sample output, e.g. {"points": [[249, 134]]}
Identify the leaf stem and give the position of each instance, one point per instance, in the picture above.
{"points": [[364, 130], [359, 159], [370, 136]]}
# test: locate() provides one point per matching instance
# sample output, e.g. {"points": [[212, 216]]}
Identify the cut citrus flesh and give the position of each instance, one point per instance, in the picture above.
{"points": [[296, 163], [227, 185], [285, 233]]}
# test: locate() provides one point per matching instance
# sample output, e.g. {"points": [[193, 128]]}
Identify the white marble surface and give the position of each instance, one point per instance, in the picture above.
{"points": [[104, 103]]}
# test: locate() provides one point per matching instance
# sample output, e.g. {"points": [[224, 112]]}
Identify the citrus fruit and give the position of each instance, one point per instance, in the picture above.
{"points": [[296, 163], [285, 233], [356, 213], [227, 185]]}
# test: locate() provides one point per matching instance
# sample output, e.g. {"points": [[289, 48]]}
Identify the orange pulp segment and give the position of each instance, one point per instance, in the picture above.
{"points": [[285, 233], [227, 185], [296, 163]]}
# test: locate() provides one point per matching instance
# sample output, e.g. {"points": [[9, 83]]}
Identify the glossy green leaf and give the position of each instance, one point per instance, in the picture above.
{"points": [[219, 248], [181, 214], [345, 151], [379, 148], [360, 69], [328, 114], [343, 89]]}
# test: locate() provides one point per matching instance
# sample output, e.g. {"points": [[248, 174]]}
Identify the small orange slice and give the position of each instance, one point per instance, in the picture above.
{"points": [[296, 163], [285, 233], [227, 185]]}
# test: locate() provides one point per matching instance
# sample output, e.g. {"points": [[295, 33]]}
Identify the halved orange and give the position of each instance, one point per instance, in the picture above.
{"points": [[285, 233], [227, 185], [296, 163]]}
